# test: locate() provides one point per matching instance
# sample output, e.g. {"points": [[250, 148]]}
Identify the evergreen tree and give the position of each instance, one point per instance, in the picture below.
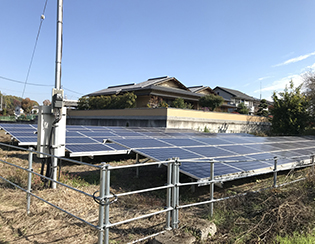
{"points": [[242, 109], [290, 111], [211, 101], [262, 108]]}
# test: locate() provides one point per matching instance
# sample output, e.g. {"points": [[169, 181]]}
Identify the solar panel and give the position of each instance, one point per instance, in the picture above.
{"points": [[208, 152], [239, 149], [182, 142], [162, 144], [213, 141], [142, 143], [162, 154], [244, 164], [79, 140]]}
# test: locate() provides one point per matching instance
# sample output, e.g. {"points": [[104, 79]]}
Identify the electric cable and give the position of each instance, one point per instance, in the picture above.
{"points": [[34, 49], [22, 82]]}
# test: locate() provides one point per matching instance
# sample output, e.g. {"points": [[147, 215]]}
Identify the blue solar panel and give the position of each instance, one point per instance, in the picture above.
{"points": [[237, 140], [239, 149], [73, 134], [202, 170], [245, 165], [103, 134], [182, 142], [264, 147], [162, 154], [287, 145], [162, 144], [22, 134], [115, 146], [79, 140], [141, 143], [213, 141], [209, 152], [88, 148]]}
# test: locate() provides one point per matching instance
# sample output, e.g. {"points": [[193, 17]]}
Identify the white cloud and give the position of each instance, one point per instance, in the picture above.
{"points": [[280, 84], [294, 60]]}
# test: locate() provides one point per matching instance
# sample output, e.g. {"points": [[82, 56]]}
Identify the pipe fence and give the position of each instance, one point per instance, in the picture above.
{"points": [[105, 197]]}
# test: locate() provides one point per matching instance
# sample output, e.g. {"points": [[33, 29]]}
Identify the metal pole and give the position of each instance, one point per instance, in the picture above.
{"points": [[137, 169], [107, 194], [169, 195], [29, 182], [211, 186], [59, 44], [54, 172], [175, 202], [312, 160], [101, 206], [275, 172]]}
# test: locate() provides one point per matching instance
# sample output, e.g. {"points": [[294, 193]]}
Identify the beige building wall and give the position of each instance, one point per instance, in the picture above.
{"points": [[171, 118]]}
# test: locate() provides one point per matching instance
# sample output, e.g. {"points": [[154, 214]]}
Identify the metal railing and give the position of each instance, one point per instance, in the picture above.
{"points": [[105, 198]]}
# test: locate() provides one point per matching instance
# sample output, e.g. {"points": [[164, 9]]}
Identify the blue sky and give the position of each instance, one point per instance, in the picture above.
{"points": [[247, 45]]}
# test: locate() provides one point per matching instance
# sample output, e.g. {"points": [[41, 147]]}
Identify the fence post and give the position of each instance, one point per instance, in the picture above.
{"points": [[275, 172], [211, 185], [29, 181], [101, 206], [107, 194], [175, 193], [312, 160], [169, 195]]}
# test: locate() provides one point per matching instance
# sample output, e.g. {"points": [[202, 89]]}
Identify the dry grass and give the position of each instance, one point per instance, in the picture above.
{"points": [[255, 218]]}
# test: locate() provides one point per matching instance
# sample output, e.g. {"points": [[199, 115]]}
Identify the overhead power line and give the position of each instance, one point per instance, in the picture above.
{"points": [[35, 84], [22, 82], [34, 49], [72, 91]]}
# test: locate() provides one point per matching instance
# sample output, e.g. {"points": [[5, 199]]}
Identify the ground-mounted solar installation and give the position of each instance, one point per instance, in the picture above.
{"points": [[235, 155]]}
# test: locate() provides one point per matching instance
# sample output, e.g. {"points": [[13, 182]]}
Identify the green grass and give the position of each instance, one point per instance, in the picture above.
{"points": [[296, 238]]}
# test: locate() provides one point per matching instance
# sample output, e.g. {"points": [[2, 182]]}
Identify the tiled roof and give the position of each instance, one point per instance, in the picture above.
{"points": [[133, 87], [236, 93]]}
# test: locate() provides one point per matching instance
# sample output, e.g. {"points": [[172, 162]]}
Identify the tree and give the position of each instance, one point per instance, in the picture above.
{"points": [[83, 103], [46, 102], [290, 111], [309, 83], [242, 109], [262, 108], [211, 101], [127, 100], [179, 103], [27, 105]]}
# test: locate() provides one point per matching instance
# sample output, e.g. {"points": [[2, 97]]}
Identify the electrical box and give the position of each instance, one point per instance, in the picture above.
{"points": [[57, 98], [51, 137]]}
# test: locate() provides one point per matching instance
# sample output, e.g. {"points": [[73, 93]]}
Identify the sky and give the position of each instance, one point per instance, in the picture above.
{"points": [[254, 46]]}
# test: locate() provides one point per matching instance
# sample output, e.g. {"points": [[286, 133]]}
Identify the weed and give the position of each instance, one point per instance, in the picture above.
{"points": [[206, 130]]}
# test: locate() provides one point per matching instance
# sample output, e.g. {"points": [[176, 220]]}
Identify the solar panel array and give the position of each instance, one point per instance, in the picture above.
{"points": [[237, 153]]}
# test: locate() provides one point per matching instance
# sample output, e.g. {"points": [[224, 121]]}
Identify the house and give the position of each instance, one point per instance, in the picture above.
{"points": [[236, 97], [206, 90], [167, 88], [18, 111]]}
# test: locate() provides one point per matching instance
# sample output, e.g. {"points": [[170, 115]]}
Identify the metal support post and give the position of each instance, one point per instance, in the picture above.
{"points": [[169, 195], [29, 181], [275, 172], [137, 168], [211, 186], [175, 193], [107, 196], [54, 172], [312, 160], [101, 206]]}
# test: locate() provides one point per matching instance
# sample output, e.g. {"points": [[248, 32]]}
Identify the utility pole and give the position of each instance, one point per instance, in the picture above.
{"points": [[52, 119]]}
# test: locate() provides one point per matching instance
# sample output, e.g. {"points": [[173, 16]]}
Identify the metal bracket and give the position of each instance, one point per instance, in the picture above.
{"points": [[98, 201]]}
